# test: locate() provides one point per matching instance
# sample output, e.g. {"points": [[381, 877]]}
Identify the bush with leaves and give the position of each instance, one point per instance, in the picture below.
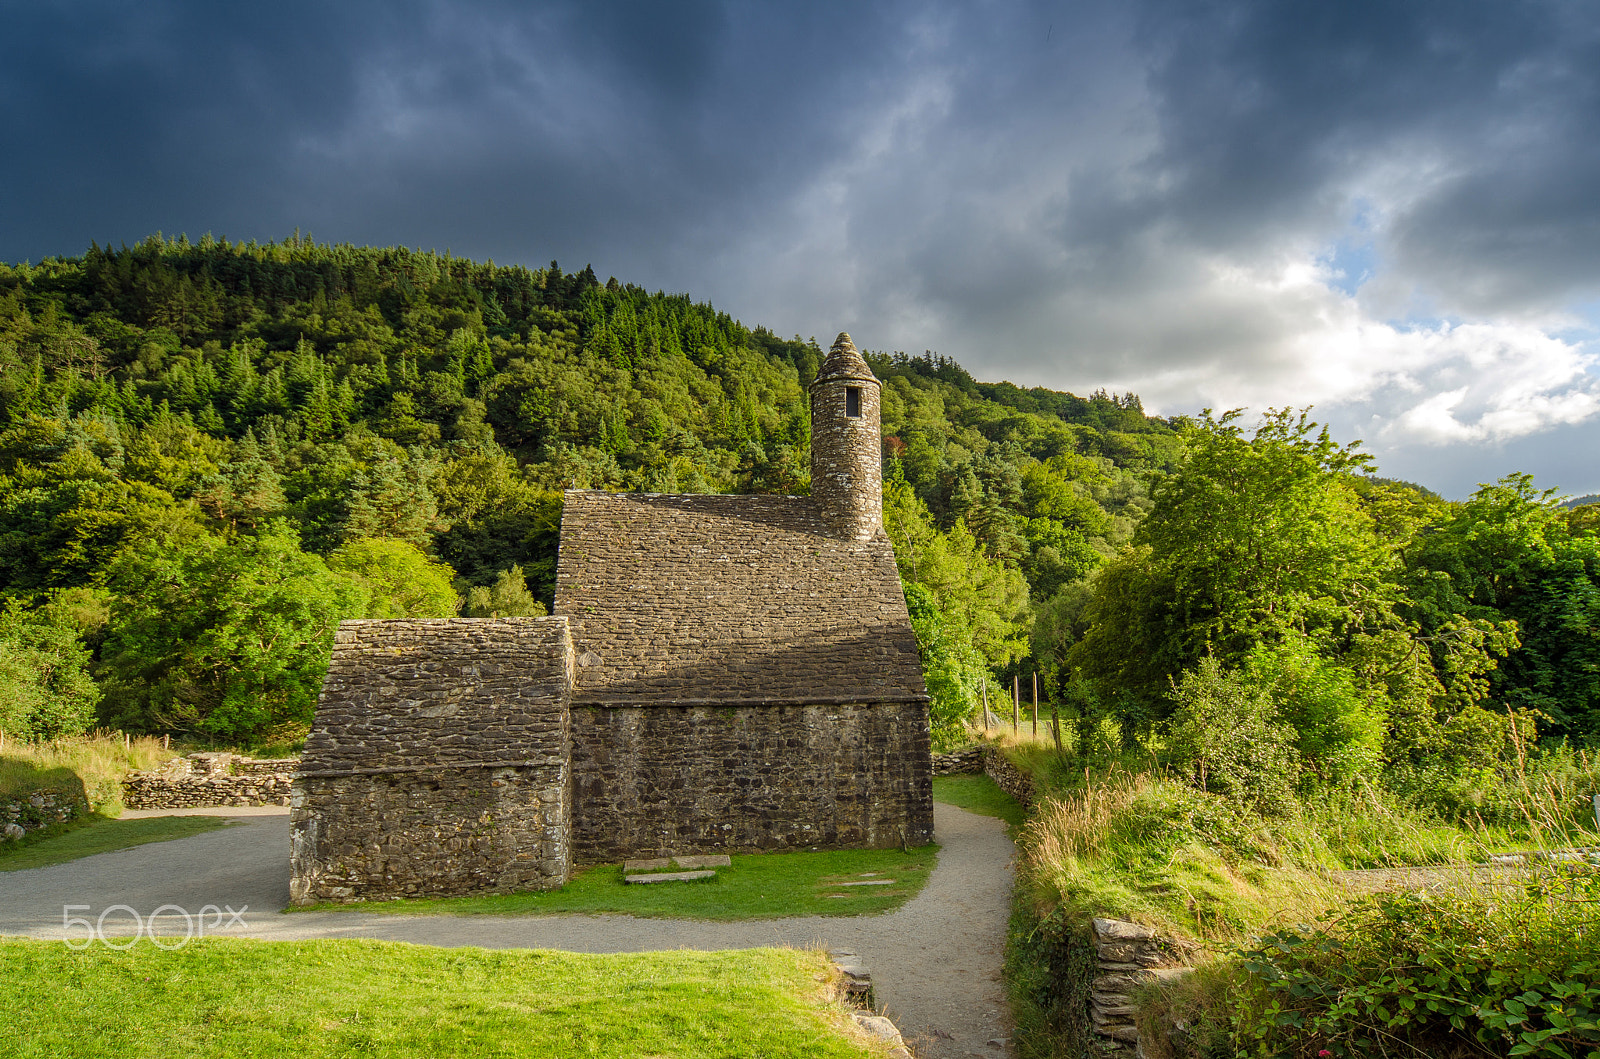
{"points": [[508, 597], [400, 580], [951, 668], [1225, 736], [1485, 972], [221, 635], [45, 688]]}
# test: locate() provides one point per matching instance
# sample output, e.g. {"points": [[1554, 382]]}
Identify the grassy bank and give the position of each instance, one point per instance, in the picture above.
{"points": [[1137, 843], [341, 998], [88, 768], [756, 886], [105, 836], [1147, 847]]}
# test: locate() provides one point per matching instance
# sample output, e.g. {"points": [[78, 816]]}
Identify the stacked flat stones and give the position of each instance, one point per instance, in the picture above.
{"points": [[1126, 956], [211, 780], [690, 869]]}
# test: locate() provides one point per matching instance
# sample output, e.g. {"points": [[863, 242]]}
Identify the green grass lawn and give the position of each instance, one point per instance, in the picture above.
{"points": [[312, 999], [978, 793], [102, 836], [757, 886]]}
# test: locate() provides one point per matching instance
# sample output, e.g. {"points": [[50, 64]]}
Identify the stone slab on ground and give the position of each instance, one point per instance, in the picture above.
{"points": [[652, 864], [669, 876], [704, 860]]}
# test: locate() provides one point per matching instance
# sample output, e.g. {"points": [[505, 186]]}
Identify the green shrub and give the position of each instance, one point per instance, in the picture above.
{"points": [[1224, 738], [45, 688], [1338, 729], [1489, 971]]}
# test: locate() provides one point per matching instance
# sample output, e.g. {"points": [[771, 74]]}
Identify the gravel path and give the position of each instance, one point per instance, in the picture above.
{"points": [[936, 963]]}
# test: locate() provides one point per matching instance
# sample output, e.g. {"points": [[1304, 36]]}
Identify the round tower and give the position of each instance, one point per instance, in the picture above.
{"points": [[847, 444]]}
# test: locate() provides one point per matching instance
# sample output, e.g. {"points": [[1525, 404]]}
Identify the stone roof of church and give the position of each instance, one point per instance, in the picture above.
{"points": [[694, 599], [405, 694]]}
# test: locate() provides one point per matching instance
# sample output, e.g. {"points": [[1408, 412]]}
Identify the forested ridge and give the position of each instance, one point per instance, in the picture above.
{"points": [[212, 452]]}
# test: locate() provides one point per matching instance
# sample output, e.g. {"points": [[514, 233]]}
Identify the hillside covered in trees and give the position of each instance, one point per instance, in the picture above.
{"points": [[210, 453]]}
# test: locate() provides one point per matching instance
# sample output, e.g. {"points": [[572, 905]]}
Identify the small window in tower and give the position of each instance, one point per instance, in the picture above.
{"points": [[852, 402]]}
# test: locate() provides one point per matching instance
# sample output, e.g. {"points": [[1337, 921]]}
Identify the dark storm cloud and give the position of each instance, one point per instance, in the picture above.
{"points": [[1270, 110], [500, 129], [1150, 195]]}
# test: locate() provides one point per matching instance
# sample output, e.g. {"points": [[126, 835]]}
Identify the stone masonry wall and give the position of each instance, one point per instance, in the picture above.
{"points": [[959, 762], [152, 790], [438, 762], [1127, 955], [208, 780], [1008, 777], [661, 780], [434, 833]]}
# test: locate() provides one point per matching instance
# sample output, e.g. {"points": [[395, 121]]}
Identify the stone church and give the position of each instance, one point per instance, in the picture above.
{"points": [[720, 674]]}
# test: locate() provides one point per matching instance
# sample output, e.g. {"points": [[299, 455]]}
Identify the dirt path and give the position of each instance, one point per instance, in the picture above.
{"points": [[936, 963]]}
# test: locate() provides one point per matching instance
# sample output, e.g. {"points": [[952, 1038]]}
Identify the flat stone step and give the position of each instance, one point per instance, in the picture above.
{"points": [[702, 860], [866, 882], [669, 876], [656, 864]]}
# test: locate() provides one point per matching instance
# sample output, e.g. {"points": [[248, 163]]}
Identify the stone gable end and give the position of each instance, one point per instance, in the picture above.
{"points": [[438, 763]]}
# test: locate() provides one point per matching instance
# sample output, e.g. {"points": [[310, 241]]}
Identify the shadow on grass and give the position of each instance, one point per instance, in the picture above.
{"points": [[95, 834]]}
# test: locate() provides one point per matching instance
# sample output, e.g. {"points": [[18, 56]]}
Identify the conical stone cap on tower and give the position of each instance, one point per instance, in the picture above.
{"points": [[844, 361], [847, 444]]}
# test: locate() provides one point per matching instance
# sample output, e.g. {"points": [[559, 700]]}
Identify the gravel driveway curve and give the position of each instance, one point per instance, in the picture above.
{"points": [[936, 963]]}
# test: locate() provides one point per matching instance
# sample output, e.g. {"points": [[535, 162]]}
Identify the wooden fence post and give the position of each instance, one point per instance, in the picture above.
{"points": [[1036, 705]]}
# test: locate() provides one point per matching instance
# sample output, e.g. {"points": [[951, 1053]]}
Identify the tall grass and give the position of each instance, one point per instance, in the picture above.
{"points": [[1146, 846], [91, 767], [1471, 971]]}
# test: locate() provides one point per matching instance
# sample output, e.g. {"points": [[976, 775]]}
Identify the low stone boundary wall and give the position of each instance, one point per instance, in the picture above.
{"points": [[37, 811], [278, 766], [960, 762], [1008, 777], [147, 790], [1127, 955], [210, 780]]}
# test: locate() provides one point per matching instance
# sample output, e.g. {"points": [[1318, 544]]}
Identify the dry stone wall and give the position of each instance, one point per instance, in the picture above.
{"points": [[438, 762], [151, 790], [38, 810], [210, 780], [959, 762], [661, 780], [1127, 955], [1008, 777]]}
